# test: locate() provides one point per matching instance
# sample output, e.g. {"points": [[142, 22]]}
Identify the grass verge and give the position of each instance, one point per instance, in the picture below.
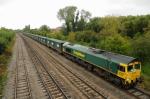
{"points": [[4, 60], [146, 75]]}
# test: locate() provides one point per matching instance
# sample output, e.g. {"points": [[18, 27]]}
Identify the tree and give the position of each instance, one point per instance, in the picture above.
{"points": [[141, 47], [44, 29], [115, 43], [84, 17], [27, 28], [81, 25], [74, 20], [86, 36], [110, 25], [71, 37], [68, 15], [95, 25], [132, 25]]}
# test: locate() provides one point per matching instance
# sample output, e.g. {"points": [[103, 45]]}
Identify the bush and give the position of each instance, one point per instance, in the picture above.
{"points": [[86, 36], [141, 47], [3, 43], [115, 43], [6, 37], [71, 37]]}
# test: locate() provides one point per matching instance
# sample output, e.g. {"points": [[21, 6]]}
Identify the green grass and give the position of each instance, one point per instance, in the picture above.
{"points": [[146, 75], [3, 78], [3, 72], [4, 60], [146, 69]]}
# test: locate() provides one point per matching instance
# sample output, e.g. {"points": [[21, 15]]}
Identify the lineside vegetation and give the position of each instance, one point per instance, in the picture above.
{"points": [[7, 38]]}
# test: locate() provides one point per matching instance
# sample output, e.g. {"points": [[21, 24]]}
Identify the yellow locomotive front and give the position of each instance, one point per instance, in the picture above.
{"points": [[131, 74]]}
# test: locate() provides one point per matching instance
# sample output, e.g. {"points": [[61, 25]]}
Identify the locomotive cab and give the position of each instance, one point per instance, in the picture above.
{"points": [[130, 73], [133, 72]]}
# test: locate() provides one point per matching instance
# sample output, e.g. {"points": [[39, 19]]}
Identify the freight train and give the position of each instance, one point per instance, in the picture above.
{"points": [[122, 70]]}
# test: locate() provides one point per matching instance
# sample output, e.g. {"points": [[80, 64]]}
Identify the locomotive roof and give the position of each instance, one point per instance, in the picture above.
{"points": [[41, 36], [118, 58], [56, 40]]}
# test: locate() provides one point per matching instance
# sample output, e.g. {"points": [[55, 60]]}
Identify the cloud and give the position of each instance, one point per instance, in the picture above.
{"points": [[3, 2], [143, 3], [137, 3]]}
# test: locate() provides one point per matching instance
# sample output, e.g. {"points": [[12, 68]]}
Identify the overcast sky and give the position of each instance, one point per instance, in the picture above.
{"points": [[18, 13]]}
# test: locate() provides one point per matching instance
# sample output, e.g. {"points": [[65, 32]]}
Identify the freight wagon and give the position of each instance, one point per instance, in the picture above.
{"points": [[55, 44]]}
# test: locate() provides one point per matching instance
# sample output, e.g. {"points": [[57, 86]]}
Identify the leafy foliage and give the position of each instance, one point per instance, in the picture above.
{"points": [[131, 25], [68, 15], [141, 47], [44, 29], [74, 20], [115, 43], [27, 28], [6, 37], [111, 25], [6, 40], [95, 25], [72, 37]]}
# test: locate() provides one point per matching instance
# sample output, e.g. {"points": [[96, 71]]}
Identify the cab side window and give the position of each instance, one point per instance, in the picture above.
{"points": [[137, 66], [68, 50], [121, 68]]}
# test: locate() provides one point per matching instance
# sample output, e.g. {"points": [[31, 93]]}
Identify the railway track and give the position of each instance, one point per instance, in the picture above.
{"points": [[83, 85], [139, 94], [52, 85], [89, 90], [22, 85]]}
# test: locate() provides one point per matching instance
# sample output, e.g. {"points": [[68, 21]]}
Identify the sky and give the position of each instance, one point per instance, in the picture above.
{"points": [[15, 14]]}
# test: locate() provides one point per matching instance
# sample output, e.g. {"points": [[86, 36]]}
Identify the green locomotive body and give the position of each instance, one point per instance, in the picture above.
{"points": [[115, 67], [92, 56]]}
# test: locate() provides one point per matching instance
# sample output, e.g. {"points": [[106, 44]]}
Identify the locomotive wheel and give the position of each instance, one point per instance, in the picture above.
{"points": [[125, 85], [90, 67]]}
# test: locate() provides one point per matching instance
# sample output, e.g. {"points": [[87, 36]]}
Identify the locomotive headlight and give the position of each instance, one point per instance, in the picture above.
{"points": [[128, 80]]}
